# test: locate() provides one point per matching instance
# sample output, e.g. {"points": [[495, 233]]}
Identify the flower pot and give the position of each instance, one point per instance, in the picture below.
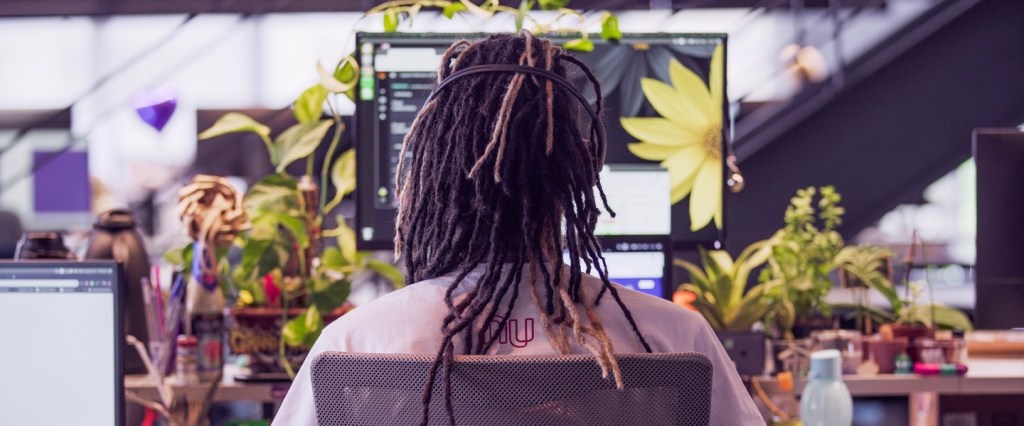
{"points": [[884, 352], [746, 350], [913, 333], [256, 332]]}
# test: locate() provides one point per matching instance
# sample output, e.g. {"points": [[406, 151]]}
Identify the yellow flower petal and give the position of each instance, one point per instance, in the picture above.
{"points": [[706, 197], [692, 91], [681, 190], [715, 80], [652, 152], [684, 164], [675, 107], [659, 131]]}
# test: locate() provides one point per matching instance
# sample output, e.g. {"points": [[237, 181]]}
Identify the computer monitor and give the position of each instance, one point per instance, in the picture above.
{"points": [[640, 263], [61, 339], [999, 281], [398, 72]]}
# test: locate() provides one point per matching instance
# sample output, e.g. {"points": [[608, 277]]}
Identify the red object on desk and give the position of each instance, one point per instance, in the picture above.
{"points": [[928, 369]]}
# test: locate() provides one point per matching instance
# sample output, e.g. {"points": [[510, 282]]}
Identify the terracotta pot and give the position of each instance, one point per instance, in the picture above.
{"points": [[911, 332], [884, 352], [256, 332]]}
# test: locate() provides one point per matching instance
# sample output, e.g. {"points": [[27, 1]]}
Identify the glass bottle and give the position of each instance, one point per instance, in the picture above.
{"points": [[826, 401]]}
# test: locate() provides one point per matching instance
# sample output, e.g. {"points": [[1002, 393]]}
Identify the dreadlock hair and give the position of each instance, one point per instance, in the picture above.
{"points": [[499, 164]]}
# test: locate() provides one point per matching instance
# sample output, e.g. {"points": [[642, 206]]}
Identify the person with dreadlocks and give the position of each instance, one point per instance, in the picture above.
{"points": [[500, 182]]}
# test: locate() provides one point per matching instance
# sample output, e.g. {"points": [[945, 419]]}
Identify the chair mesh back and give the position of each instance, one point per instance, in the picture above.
{"points": [[378, 389]]}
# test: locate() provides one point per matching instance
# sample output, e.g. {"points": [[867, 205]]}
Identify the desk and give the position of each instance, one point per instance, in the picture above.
{"points": [[984, 377], [229, 390], [998, 376]]}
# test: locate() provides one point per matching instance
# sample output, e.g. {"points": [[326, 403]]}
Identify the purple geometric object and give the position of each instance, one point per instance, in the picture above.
{"points": [[156, 106], [61, 183]]}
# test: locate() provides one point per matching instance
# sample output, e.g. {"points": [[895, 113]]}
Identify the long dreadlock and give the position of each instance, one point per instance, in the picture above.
{"points": [[498, 166]]}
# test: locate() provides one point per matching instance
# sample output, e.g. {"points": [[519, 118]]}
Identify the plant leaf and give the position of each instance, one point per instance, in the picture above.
{"points": [[697, 276], [180, 257], [387, 270], [346, 240], [390, 20], [235, 122], [945, 317], [524, 9], [328, 294], [552, 4], [346, 73], [610, 28], [295, 226], [309, 106], [452, 8], [578, 45], [477, 10], [343, 173], [334, 82], [275, 191], [331, 258], [294, 331], [298, 141]]}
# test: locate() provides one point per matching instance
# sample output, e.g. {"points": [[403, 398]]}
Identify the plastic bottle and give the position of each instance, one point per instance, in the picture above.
{"points": [[205, 306], [826, 401]]}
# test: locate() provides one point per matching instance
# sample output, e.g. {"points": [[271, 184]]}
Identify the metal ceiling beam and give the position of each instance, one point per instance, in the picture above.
{"points": [[884, 139]]}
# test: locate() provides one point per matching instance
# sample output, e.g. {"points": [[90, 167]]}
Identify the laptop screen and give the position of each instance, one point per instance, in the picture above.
{"points": [[59, 343]]}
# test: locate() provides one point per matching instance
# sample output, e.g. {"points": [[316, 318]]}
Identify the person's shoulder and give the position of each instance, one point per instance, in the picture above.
{"points": [[402, 311]]}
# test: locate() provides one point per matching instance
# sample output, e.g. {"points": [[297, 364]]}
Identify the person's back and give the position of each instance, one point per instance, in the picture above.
{"points": [[500, 182]]}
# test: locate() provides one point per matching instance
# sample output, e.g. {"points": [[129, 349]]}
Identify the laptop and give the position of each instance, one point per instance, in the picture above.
{"points": [[60, 343]]}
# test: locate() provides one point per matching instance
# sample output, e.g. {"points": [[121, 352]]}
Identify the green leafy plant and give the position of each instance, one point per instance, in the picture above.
{"points": [[394, 13], [274, 268], [867, 265], [721, 290], [804, 256]]}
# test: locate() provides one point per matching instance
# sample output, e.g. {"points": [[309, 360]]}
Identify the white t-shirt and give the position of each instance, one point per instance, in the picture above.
{"points": [[408, 321]]}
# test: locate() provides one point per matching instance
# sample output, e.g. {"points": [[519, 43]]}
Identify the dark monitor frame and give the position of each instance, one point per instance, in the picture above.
{"points": [[118, 295], [365, 117]]}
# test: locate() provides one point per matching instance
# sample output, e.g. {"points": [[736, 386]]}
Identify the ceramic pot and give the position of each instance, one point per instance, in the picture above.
{"points": [[913, 333], [884, 353]]}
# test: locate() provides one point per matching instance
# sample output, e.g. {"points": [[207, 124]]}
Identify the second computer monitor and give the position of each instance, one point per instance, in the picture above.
{"points": [[398, 72]]}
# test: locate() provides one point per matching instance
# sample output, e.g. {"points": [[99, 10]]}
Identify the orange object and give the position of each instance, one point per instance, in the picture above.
{"points": [[685, 298], [785, 379]]}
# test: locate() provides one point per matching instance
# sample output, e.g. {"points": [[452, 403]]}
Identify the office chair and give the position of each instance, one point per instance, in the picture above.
{"points": [[387, 389]]}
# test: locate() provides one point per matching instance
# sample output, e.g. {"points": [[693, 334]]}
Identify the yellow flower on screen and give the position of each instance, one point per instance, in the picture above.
{"points": [[687, 138]]}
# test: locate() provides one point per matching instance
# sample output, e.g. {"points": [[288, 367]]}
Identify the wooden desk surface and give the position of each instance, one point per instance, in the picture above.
{"points": [[984, 377]]}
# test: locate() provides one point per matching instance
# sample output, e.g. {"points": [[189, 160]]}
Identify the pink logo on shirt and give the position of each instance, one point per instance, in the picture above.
{"points": [[512, 334]]}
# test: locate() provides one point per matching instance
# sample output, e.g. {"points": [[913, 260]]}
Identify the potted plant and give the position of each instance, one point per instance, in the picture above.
{"points": [[907, 320], [718, 291], [862, 268], [802, 260], [285, 285]]}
